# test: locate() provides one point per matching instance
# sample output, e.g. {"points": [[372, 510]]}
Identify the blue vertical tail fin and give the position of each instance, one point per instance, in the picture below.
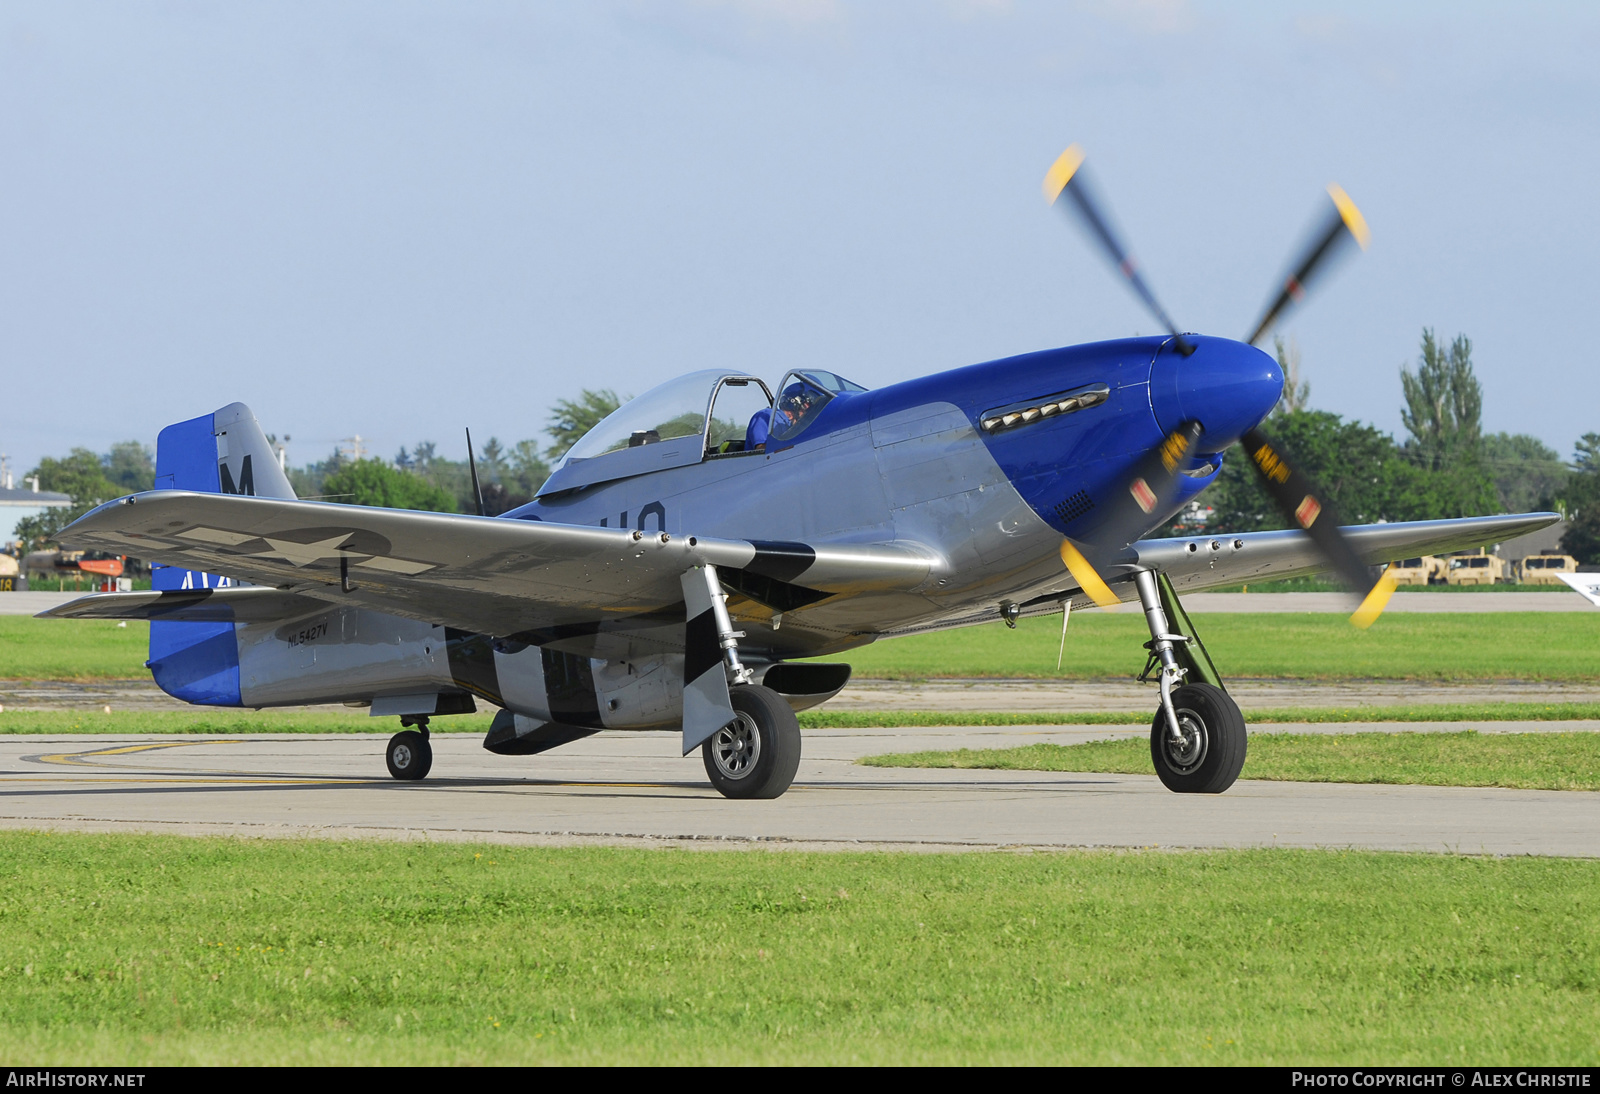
{"points": [[221, 453]]}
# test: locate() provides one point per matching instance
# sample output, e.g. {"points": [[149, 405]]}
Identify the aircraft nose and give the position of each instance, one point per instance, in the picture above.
{"points": [[1226, 386]]}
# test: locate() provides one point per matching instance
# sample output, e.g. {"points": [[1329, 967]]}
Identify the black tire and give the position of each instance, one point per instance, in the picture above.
{"points": [[409, 755], [1214, 736], [757, 754]]}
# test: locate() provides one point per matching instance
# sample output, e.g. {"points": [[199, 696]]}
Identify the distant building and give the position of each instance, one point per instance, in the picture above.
{"points": [[18, 505]]}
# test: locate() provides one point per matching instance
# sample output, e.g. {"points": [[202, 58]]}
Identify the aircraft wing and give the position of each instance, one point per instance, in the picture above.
{"points": [[1203, 562], [482, 574], [1196, 563]]}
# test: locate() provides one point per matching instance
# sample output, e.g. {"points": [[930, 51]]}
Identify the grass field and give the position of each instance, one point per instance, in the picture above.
{"points": [[229, 722], [141, 950], [1523, 761], [71, 649], [1470, 646], [1421, 712]]}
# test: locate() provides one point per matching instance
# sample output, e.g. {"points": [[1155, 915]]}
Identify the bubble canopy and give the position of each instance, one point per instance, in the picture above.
{"points": [[704, 415], [676, 408]]}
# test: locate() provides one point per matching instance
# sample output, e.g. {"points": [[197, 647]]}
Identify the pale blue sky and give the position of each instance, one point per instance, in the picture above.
{"points": [[401, 219]]}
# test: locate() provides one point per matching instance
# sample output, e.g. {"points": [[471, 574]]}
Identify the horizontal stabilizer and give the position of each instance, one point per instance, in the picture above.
{"points": [[236, 604]]}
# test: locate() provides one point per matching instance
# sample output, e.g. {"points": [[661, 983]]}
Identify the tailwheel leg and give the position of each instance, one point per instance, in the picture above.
{"points": [[409, 754], [1198, 739]]}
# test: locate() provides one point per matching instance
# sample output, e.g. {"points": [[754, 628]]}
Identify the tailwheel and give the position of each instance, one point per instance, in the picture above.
{"points": [[1210, 753], [757, 754], [409, 754]]}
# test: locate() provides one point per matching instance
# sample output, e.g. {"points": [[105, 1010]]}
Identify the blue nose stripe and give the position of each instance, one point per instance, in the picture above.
{"points": [[1226, 386]]}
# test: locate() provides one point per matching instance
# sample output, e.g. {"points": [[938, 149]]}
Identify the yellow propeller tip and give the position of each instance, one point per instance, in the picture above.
{"points": [[1061, 172], [1088, 580], [1376, 600], [1351, 216]]}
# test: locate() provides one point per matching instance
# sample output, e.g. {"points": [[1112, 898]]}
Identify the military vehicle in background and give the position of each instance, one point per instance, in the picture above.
{"points": [[1475, 568], [1543, 568], [1422, 570]]}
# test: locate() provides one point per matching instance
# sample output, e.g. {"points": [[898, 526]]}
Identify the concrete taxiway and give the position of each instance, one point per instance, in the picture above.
{"points": [[634, 789]]}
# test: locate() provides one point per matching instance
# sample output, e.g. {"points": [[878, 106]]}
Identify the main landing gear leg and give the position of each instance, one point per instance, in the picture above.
{"points": [[409, 754], [757, 754], [1197, 741]]}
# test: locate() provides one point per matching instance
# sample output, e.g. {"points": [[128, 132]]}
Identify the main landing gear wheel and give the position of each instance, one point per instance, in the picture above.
{"points": [[1211, 754], [409, 755], [757, 754]]}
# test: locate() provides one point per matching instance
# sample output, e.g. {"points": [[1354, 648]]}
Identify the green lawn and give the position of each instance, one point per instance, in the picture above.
{"points": [[72, 649], [1468, 646], [142, 950], [1523, 761], [1422, 712]]}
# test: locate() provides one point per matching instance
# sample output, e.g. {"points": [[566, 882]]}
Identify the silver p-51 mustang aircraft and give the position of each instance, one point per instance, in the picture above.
{"points": [[706, 537]]}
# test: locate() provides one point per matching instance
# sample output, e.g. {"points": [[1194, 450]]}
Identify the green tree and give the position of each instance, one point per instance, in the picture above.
{"points": [[131, 466], [492, 461], [40, 532], [572, 418], [1361, 468], [1586, 454], [1527, 473], [1582, 537], [373, 482], [81, 474], [1444, 415], [1444, 403], [528, 469]]}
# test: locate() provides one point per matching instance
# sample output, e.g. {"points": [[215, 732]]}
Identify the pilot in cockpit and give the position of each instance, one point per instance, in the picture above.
{"points": [[794, 406]]}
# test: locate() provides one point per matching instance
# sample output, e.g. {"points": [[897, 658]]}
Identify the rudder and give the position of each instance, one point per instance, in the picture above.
{"points": [[220, 453]]}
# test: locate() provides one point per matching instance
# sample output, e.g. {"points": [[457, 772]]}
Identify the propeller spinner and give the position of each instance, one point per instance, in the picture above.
{"points": [[1154, 482]]}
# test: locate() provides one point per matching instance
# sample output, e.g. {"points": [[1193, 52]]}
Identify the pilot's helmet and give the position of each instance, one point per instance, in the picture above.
{"points": [[795, 400]]}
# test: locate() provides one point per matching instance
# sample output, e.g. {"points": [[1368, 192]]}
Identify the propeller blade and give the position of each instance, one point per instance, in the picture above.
{"points": [[1087, 577], [1339, 226], [1066, 176], [1304, 502], [1151, 490]]}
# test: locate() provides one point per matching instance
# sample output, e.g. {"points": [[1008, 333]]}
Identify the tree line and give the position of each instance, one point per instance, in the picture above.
{"points": [[1445, 467], [417, 478]]}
